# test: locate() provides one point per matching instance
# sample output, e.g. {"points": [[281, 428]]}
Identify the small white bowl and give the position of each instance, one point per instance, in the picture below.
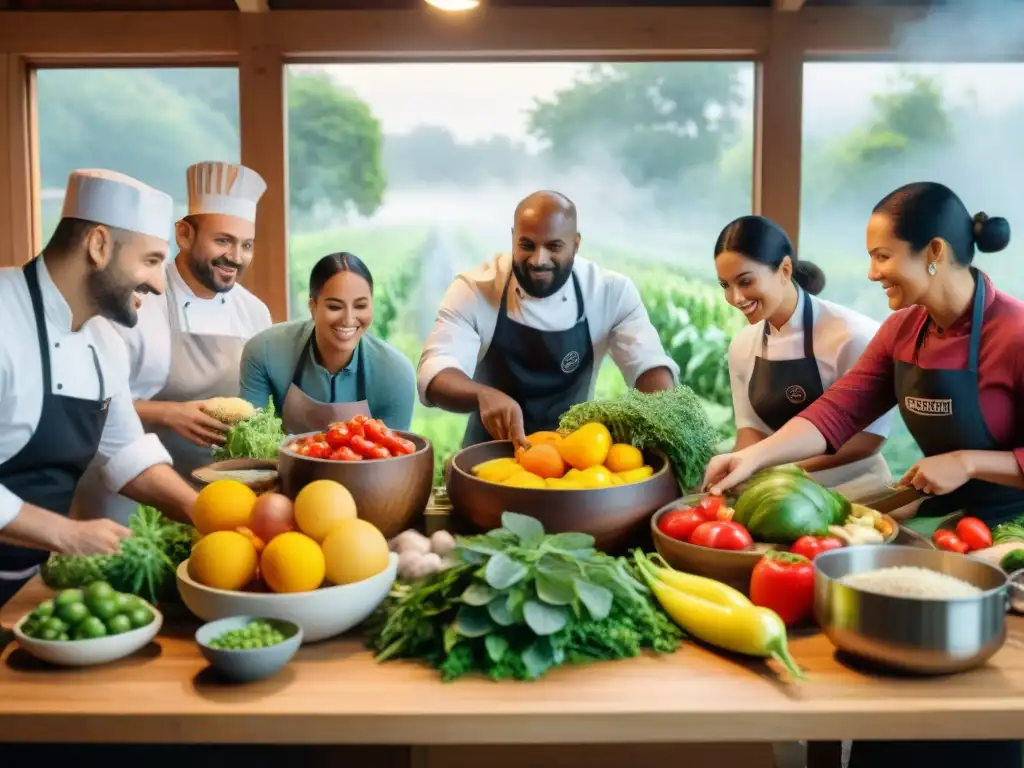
{"points": [[87, 653], [322, 613]]}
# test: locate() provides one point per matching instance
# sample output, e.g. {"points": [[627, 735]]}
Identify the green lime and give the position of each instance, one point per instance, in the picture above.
{"points": [[104, 608], [97, 591], [119, 624], [140, 616], [72, 613], [92, 627], [67, 597], [55, 624], [30, 627], [44, 610], [49, 634], [125, 602]]}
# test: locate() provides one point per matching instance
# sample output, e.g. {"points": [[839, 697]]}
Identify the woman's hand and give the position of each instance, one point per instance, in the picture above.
{"points": [[938, 475], [727, 471]]}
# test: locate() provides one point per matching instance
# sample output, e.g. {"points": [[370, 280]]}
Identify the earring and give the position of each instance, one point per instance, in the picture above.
{"points": [[931, 269]]}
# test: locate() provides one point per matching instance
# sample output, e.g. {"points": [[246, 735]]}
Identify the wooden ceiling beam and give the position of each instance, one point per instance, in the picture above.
{"points": [[253, 6]]}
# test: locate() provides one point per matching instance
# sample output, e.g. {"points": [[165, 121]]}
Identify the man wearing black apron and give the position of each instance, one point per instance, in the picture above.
{"points": [[543, 361], [101, 253]]}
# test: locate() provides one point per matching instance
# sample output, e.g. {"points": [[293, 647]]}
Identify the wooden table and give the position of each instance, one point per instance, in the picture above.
{"points": [[333, 693]]}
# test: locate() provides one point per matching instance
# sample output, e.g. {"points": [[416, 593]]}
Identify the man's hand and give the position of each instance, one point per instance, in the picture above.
{"points": [[502, 417], [192, 423], [92, 537], [938, 475]]}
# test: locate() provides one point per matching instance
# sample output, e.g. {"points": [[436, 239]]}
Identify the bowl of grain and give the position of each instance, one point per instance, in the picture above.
{"points": [[916, 610]]}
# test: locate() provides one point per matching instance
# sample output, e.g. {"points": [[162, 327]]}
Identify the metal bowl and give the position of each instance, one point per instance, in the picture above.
{"points": [[931, 637], [390, 493], [611, 515]]}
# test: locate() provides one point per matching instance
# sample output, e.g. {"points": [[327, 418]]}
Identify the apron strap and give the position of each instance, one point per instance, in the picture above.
{"points": [[307, 349], [32, 278], [977, 318], [807, 315]]}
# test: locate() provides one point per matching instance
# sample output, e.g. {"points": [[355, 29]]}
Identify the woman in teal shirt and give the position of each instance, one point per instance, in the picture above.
{"points": [[329, 368]]}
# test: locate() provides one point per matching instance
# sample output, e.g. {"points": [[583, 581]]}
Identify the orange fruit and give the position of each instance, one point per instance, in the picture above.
{"points": [[354, 550], [542, 460], [623, 457], [223, 505], [223, 560], [320, 506], [292, 562], [543, 438], [587, 447]]}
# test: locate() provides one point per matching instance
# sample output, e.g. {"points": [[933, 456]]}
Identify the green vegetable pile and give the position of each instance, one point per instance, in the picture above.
{"points": [[519, 602], [145, 566], [256, 634], [85, 614], [673, 421], [257, 437], [1009, 532], [780, 505]]}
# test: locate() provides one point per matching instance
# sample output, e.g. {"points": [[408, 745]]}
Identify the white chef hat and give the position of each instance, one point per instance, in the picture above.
{"points": [[230, 189], [116, 200]]}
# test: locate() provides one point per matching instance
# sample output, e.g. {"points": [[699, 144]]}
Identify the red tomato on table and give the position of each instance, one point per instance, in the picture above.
{"points": [[812, 546], [721, 534], [679, 524], [784, 582], [949, 541], [974, 533]]}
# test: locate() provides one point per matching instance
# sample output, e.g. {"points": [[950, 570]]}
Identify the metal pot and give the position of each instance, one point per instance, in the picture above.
{"points": [[910, 634]]}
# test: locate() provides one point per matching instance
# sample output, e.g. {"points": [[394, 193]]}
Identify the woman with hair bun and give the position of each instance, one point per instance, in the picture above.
{"points": [[778, 366]]}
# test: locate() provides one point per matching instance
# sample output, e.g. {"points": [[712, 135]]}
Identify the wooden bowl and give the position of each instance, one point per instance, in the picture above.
{"points": [[208, 474], [732, 567], [611, 515], [390, 493]]}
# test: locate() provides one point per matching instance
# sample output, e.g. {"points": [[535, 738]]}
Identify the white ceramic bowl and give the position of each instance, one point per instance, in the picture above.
{"points": [[321, 613], [86, 653], [247, 665]]}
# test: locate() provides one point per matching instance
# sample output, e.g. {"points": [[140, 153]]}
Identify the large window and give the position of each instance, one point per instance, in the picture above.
{"points": [[870, 128], [148, 123], [417, 168]]}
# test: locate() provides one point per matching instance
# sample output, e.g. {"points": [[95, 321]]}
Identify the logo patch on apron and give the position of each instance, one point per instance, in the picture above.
{"points": [[926, 406], [796, 394], [571, 362]]}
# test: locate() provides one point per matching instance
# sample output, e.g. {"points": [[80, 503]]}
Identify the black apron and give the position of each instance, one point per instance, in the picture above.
{"points": [[47, 469], [942, 411], [546, 372], [779, 390]]}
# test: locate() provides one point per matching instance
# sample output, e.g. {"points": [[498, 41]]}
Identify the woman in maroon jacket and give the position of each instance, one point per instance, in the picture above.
{"points": [[951, 356]]}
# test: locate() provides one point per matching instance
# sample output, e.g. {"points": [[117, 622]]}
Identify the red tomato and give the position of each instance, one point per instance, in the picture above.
{"points": [[375, 430], [338, 435], [318, 450], [784, 582], [345, 454], [398, 446], [721, 534], [356, 428], [949, 541], [710, 505], [360, 418], [679, 524], [812, 546], [367, 449], [974, 533]]}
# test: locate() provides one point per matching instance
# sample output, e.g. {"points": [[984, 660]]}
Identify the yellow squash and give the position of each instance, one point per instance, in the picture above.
{"points": [[698, 586], [587, 447], [635, 475], [749, 630]]}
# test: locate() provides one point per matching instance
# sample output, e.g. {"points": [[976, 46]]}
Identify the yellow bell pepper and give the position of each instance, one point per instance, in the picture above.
{"points": [[587, 447], [497, 470], [636, 475]]}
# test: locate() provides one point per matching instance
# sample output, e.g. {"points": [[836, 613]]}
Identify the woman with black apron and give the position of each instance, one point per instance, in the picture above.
{"points": [[793, 349], [947, 358]]}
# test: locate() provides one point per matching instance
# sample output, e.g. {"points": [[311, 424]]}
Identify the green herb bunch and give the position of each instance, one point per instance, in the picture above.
{"points": [[673, 421], [257, 437], [145, 566], [519, 602]]}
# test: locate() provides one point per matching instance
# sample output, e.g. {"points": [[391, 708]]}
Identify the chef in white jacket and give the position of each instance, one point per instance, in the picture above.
{"points": [[187, 345], [64, 394]]}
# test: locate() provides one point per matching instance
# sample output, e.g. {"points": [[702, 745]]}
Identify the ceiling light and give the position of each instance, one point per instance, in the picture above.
{"points": [[454, 5]]}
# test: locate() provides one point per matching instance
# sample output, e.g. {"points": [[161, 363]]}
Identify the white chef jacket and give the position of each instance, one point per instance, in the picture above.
{"points": [[125, 447], [235, 313], [619, 325], [840, 337]]}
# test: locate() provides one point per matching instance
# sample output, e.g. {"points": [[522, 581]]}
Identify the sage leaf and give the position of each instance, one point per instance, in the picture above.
{"points": [[528, 529], [555, 588], [596, 598], [544, 619], [500, 613], [451, 638], [473, 621], [496, 646], [568, 542], [478, 594], [538, 658], [502, 571]]}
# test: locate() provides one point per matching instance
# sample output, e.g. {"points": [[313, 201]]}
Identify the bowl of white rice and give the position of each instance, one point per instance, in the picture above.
{"points": [[924, 611]]}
